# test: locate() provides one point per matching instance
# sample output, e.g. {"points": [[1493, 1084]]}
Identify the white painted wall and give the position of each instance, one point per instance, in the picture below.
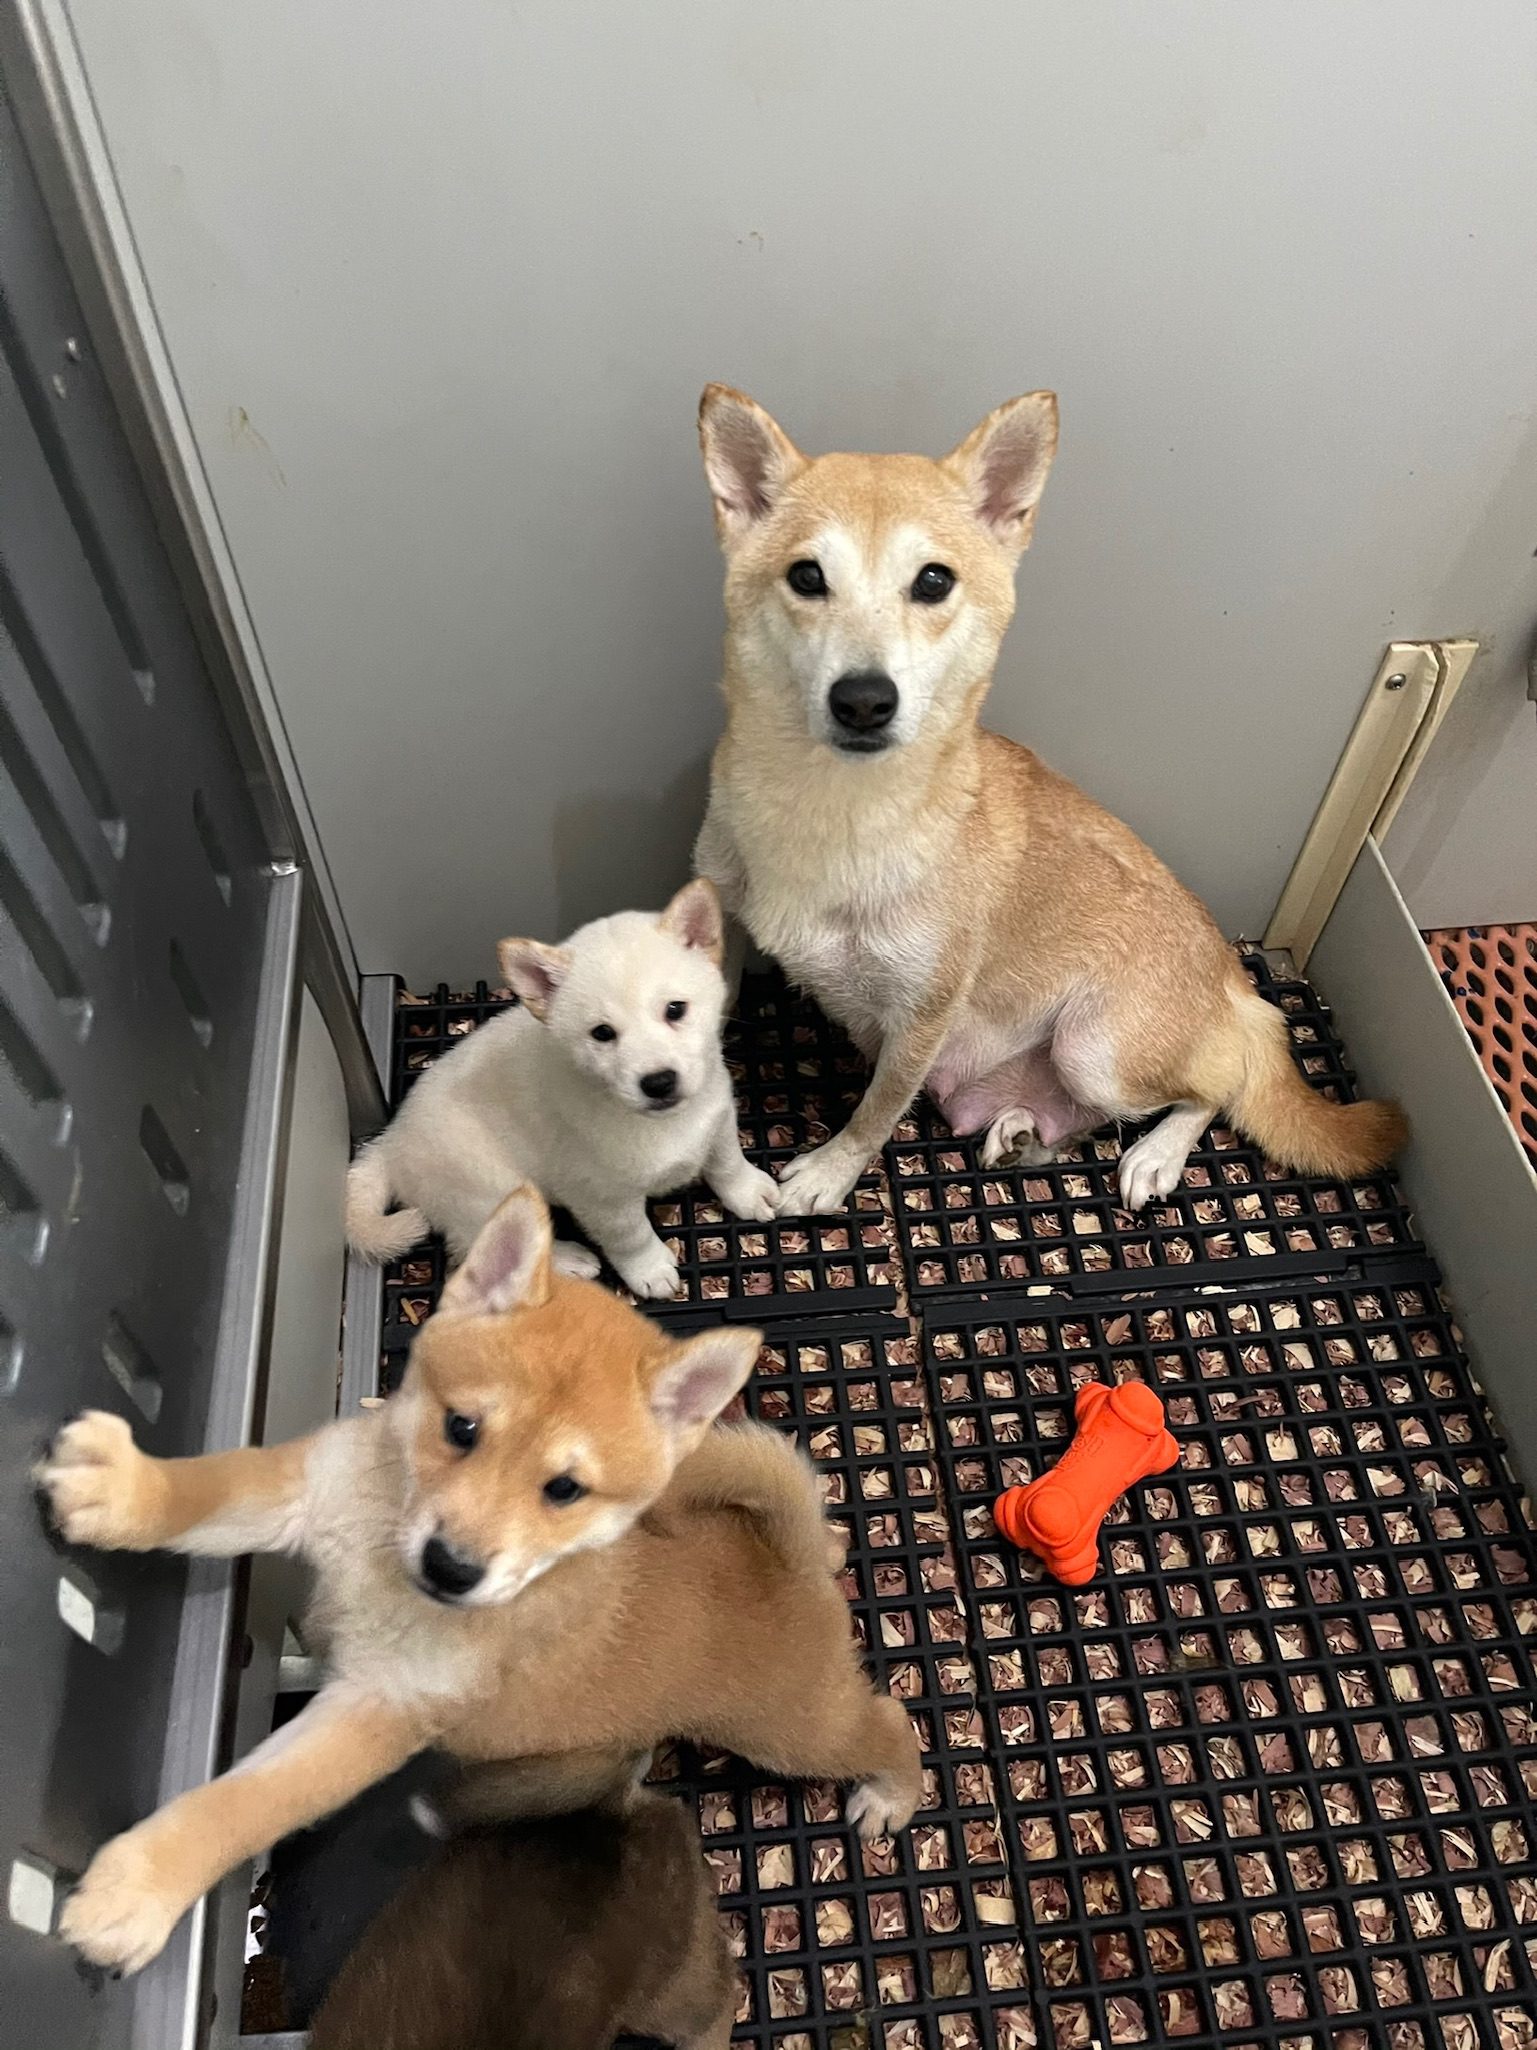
{"points": [[443, 283]]}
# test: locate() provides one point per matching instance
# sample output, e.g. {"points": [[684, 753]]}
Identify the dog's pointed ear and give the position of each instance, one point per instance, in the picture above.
{"points": [[508, 1267], [533, 971], [1003, 464], [698, 1378], [748, 459], [694, 919]]}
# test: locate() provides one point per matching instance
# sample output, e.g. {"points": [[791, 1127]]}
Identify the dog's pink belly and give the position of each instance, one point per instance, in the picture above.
{"points": [[1026, 1081]]}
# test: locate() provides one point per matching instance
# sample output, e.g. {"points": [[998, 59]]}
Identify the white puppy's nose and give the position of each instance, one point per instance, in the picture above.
{"points": [[661, 1085]]}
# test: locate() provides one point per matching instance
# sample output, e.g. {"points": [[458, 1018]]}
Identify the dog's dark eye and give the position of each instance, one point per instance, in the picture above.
{"points": [[675, 1010], [604, 1032], [564, 1488], [460, 1430], [806, 579], [933, 584]]}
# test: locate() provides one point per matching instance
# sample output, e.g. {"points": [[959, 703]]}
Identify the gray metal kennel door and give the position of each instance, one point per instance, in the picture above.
{"points": [[148, 949]]}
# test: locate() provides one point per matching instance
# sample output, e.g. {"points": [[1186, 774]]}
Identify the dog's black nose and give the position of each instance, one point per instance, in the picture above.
{"points": [[864, 701], [447, 1572], [660, 1084]]}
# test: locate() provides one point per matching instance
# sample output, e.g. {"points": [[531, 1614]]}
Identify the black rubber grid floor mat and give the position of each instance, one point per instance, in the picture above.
{"points": [[1273, 1779], [1234, 1215], [911, 1943], [788, 1267], [1270, 1780]]}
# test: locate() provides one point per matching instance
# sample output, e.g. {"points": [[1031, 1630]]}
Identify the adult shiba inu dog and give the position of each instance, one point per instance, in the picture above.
{"points": [[540, 1550], [976, 923], [605, 1086]]}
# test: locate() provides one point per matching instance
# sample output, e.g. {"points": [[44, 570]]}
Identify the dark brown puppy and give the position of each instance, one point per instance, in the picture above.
{"points": [[545, 1935]]}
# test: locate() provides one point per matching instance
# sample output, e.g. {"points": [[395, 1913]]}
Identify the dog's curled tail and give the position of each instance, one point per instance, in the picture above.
{"points": [[1292, 1122], [373, 1229], [751, 1467]]}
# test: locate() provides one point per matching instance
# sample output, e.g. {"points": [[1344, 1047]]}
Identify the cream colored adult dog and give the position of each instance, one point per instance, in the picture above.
{"points": [[978, 924], [539, 1551]]}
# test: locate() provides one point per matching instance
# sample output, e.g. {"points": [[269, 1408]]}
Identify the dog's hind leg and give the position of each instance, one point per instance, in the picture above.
{"points": [[549, 1783], [677, 2022], [1011, 1140], [864, 1737], [1022, 1108], [885, 1797]]}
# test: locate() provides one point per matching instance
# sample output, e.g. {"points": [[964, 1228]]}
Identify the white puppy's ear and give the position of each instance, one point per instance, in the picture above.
{"points": [[508, 1267], [533, 971], [699, 1377], [1003, 465], [694, 919], [748, 459]]}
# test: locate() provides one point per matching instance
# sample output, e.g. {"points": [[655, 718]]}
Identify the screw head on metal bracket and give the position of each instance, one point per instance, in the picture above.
{"points": [[1396, 681]]}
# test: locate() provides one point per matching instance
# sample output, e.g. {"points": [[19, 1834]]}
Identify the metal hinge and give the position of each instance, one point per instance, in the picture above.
{"points": [[1414, 685]]}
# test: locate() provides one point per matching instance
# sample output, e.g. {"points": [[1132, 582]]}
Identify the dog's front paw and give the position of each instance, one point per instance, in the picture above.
{"points": [[652, 1274], [751, 1195], [120, 1914], [101, 1488], [819, 1182]]}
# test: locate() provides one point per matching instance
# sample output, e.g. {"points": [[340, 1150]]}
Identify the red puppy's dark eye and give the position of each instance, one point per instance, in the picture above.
{"points": [[460, 1430]]}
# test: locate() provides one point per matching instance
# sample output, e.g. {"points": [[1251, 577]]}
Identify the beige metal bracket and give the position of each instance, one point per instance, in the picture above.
{"points": [[1415, 683]]}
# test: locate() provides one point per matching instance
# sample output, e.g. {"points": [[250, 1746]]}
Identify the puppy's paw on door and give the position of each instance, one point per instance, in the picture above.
{"points": [[101, 1488], [119, 1915]]}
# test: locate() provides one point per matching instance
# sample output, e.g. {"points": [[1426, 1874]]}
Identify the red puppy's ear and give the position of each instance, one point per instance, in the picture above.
{"points": [[699, 1377], [508, 1267]]}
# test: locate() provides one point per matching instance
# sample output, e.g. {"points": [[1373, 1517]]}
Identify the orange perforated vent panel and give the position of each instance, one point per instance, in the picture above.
{"points": [[1491, 971]]}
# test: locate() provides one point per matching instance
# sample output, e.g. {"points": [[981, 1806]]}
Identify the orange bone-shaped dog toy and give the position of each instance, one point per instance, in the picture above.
{"points": [[1120, 1438]]}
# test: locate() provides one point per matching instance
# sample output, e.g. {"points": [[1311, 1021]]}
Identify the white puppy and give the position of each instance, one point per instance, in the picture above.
{"points": [[606, 1085]]}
